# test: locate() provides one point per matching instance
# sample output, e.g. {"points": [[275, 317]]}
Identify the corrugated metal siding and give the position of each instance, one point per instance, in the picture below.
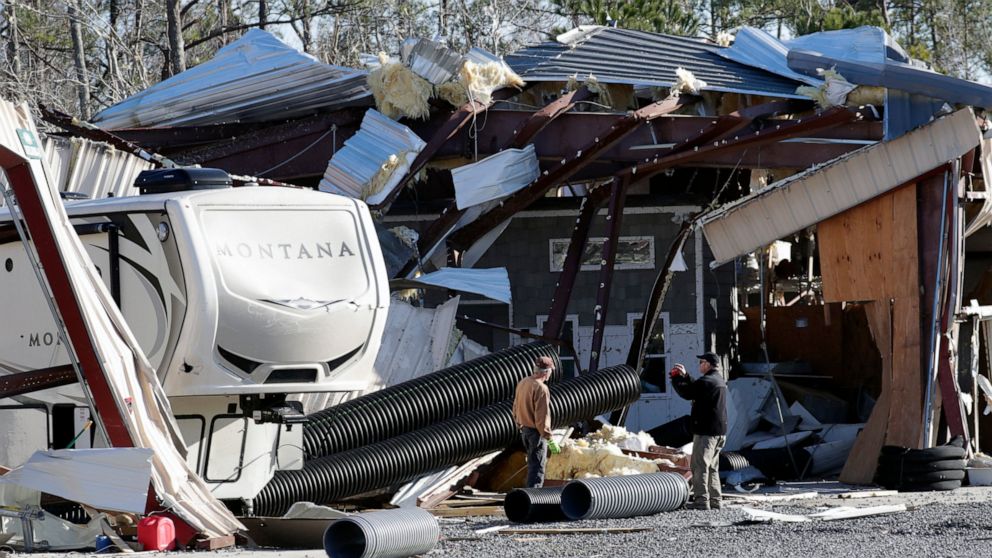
{"points": [[495, 177], [254, 79], [866, 44], [803, 200], [642, 58], [352, 168], [759, 49], [95, 169]]}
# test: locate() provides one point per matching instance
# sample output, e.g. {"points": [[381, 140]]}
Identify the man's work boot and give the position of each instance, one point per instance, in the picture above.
{"points": [[716, 505], [698, 505]]}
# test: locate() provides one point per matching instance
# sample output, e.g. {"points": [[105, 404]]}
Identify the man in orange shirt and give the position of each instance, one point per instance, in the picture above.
{"points": [[532, 413]]}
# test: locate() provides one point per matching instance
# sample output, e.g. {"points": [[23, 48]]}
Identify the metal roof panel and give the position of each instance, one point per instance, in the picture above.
{"points": [[642, 58]]}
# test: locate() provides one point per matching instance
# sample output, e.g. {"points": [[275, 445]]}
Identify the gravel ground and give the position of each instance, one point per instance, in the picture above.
{"points": [[955, 523], [951, 524]]}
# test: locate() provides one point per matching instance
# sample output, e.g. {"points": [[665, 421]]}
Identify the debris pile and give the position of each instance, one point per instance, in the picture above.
{"points": [[425, 70], [612, 451]]}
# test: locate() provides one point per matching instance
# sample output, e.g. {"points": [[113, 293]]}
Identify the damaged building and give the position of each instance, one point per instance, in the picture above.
{"points": [[813, 210]]}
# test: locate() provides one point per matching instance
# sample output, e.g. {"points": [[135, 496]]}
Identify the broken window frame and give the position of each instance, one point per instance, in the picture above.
{"points": [[569, 365], [590, 261], [664, 356]]}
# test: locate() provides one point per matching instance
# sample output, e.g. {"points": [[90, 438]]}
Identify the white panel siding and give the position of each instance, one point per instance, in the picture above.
{"points": [[803, 200]]}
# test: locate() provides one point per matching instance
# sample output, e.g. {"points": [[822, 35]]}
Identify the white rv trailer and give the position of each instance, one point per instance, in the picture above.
{"points": [[237, 296]]}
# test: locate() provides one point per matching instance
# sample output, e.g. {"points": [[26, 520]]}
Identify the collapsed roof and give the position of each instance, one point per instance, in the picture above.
{"points": [[254, 79]]}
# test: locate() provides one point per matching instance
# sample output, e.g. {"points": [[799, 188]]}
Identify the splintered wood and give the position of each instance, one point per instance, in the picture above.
{"points": [[871, 253]]}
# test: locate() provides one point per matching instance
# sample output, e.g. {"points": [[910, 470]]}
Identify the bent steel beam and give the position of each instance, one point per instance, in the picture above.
{"points": [[614, 216], [20, 383], [776, 132], [41, 228], [465, 237], [540, 119], [573, 261], [435, 232]]}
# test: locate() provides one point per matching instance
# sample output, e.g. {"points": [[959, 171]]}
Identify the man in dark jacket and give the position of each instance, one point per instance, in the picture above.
{"points": [[708, 424]]}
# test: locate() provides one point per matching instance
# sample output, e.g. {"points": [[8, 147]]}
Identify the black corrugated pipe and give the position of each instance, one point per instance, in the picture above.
{"points": [[626, 496], [733, 461], [530, 505], [382, 534], [423, 401], [474, 434]]}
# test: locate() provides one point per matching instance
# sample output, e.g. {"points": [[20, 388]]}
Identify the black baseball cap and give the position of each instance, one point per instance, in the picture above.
{"points": [[710, 358]]}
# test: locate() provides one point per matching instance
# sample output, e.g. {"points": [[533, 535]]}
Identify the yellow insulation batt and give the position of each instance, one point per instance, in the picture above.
{"points": [[687, 83], [599, 454], [399, 92], [619, 97], [382, 176], [478, 81], [838, 91]]}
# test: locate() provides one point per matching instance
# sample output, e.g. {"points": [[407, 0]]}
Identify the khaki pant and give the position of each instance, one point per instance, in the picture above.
{"points": [[705, 465]]}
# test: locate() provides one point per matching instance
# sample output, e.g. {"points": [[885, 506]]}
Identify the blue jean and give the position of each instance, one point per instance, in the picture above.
{"points": [[536, 448]]}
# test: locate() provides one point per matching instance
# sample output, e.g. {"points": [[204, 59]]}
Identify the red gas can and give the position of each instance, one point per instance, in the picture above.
{"points": [[157, 533]]}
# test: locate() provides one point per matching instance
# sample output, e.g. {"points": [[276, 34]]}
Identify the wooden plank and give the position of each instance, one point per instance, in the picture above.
{"points": [[867, 494], [215, 543], [863, 459], [844, 512], [450, 504], [467, 512], [905, 419]]}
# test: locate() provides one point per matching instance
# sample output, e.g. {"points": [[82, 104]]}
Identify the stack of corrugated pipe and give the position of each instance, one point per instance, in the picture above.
{"points": [[598, 498], [442, 419]]}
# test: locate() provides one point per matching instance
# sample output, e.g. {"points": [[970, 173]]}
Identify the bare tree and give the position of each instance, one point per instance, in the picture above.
{"points": [[79, 60], [177, 48]]}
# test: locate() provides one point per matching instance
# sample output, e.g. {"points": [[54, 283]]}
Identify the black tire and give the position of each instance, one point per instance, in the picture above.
{"points": [[935, 476], [939, 453], [933, 486], [909, 468]]}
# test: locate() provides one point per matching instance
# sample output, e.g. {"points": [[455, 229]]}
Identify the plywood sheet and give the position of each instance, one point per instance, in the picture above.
{"points": [[905, 424], [863, 459], [869, 252]]}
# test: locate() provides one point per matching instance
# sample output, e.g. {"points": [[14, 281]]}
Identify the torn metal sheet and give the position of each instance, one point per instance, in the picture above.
{"points": [[865, 44], [373, 161], [432, 61], [757, 48], [52, 532], [847, 512], [254, 79], [115, 479], [95, 169], [802, 200], [492, 283], [896, 75], [765, 515], [439, 483], [608, 54], [984, 216], [495, 177], [123, 387]]}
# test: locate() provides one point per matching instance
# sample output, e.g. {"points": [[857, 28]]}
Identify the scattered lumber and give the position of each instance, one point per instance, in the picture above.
{"points": [[472, 511], [575, 531]]}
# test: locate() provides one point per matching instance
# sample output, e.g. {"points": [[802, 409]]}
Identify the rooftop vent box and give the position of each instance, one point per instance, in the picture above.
{"points": [[163, 181]]}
